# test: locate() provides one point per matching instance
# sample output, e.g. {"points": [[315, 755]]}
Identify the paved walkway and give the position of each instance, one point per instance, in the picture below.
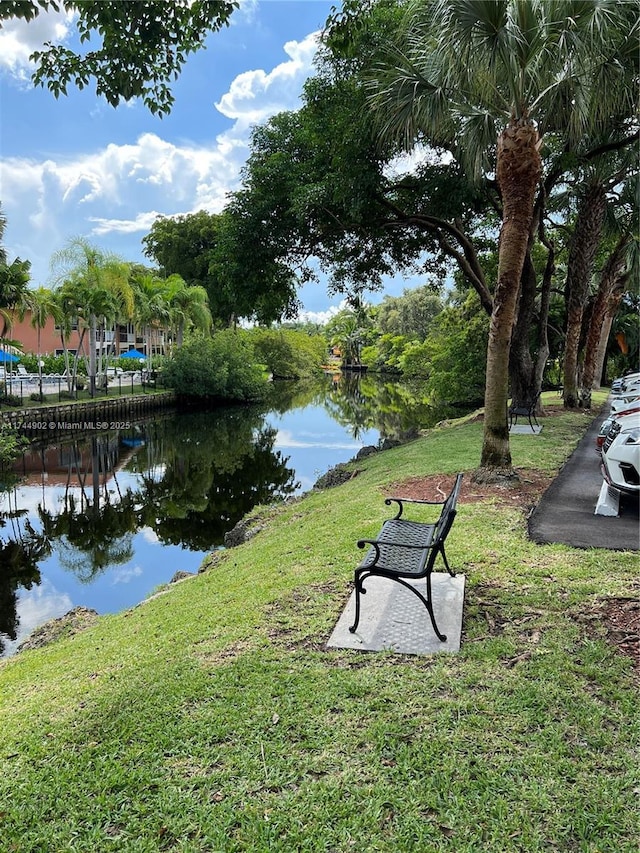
{"points": [[566, 512]]}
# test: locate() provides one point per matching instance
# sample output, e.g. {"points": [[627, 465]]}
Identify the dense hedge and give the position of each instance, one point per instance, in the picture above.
{"points": [[222, 366]]}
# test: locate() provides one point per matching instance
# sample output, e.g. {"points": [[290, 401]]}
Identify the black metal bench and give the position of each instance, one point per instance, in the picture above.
{"points": [[406, 550], [525, 411]]}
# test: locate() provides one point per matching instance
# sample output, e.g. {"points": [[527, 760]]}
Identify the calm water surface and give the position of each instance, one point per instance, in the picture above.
{"points": [[100, 520]]}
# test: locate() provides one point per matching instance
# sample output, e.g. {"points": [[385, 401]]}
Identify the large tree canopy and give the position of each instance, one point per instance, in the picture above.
{"points": [[487, 81], [223, 254], [143, 45]]}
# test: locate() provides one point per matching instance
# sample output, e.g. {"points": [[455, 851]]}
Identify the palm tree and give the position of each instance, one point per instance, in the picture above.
{"points": [[43, 304], [102, 291], [346, 332], [151, 309], [486, 81], [188, 306], [14, 280]]}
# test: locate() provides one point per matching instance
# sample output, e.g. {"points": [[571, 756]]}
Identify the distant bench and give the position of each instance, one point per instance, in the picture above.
{"points": [[527, 410], [406, 550]]}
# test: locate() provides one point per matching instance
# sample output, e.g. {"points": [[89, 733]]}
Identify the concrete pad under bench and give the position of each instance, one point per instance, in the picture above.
{"points": [[524, 429], [393, 618]]}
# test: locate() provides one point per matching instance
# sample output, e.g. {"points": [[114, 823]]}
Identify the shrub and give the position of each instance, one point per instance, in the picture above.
{"points": [[12, 400], [50, 363], [288, 353], [12, 444], [222, 366]]}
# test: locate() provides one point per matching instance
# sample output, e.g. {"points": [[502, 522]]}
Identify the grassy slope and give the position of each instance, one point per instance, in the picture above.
{"points": [[212, 719]]}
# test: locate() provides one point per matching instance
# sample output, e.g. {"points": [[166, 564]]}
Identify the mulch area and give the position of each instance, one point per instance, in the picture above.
{"points": [[618, 619]]}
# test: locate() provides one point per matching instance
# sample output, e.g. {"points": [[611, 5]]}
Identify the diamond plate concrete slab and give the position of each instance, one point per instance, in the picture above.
{"points": [[393, 618]]}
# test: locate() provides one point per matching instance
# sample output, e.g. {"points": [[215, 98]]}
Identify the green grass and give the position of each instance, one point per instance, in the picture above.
{"points": [[212, 718]]}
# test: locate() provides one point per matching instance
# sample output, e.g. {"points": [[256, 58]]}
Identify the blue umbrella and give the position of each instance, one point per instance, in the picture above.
{"points": [[7, 356], [132, 353]]}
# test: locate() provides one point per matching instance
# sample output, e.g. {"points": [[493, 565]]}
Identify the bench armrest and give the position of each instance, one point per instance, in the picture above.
{"points": [[402, 501], [376, 543]]}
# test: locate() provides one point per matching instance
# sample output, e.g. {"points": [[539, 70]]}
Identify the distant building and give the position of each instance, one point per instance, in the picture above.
{"points": [[115, 343]]}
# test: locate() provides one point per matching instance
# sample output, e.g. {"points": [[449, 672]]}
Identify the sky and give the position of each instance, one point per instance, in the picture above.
{"points": [[78, 167]]}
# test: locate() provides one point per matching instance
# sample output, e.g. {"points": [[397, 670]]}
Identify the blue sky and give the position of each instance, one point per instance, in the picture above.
{"points": [[77, 167]]}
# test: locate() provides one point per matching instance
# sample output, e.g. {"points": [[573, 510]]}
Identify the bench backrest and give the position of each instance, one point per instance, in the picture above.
{"points": [[526, 409], [448, 512]]}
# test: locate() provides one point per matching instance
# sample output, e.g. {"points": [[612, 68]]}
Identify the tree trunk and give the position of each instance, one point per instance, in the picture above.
{"points": [[518, 170], [599, 376], [543, 321], [612, 310], [521, 370], [586, 238], [92, 354], [612, 272]]}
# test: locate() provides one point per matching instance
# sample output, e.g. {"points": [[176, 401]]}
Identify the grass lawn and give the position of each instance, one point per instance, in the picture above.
{"points": [[212, 718]]}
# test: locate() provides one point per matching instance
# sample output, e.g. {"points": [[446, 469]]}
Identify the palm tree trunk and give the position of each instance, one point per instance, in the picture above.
{"points": [[609, 280], [518, 170], [521, 366], [39, 365], [92, 355], [585, 241]]}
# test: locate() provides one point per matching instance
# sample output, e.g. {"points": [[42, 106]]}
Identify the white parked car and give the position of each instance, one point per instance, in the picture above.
{"points": [[621, 454], [626, 401], [607, 423], [622, 384]]}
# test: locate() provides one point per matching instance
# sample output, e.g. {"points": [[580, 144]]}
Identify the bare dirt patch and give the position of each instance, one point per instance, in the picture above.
{"points": [[618, 620], [523, 492]]}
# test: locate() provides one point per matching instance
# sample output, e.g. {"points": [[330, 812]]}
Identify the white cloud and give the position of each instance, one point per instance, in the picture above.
{"points": [[117, 190], [125, 574], [255, 96], [285, 440], [142, 223], [321, 317], [114, 193], [149, 535], [35, 607], [19, 39]]}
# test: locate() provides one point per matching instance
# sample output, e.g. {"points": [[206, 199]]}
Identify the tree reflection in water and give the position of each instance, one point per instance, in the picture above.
{"points": [[197, 483], [394, 408], [190, 479], [19, 557]]}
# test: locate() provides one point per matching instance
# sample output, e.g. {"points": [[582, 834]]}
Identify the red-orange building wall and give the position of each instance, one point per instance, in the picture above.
{"points": [[50, 341]]}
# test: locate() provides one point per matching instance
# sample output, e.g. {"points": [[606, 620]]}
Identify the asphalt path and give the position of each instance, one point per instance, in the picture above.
{"points": [[566, 511]]}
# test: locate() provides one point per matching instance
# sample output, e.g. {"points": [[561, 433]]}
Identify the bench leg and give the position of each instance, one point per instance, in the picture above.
{"points": [[429, 605], [359, 589], [444, 557]]}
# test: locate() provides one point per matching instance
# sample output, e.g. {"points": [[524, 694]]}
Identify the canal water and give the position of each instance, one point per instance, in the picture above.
{"points": [[101, 519]]}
